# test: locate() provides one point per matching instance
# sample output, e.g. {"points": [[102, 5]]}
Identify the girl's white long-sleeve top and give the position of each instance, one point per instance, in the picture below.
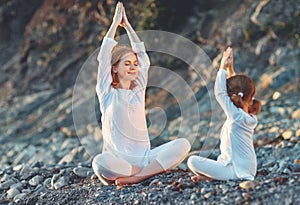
{"points": [[123, 118], [236, 134]]}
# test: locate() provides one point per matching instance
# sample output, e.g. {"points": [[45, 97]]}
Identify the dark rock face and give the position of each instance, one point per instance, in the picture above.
{"points": [[15, 15], [46, 50]]}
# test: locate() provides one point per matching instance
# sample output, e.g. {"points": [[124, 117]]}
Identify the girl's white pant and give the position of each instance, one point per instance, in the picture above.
{"points": [[211, 168], [168, 155]]}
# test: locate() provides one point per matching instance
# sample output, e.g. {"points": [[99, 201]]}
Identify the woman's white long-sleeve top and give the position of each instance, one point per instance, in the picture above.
{"points": [[236, 134], [123, 118]]}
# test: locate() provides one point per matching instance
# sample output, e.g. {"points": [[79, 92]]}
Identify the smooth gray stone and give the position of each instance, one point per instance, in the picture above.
{"points": [[11, 193]]}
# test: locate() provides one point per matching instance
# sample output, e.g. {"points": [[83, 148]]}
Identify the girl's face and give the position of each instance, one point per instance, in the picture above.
{"points": [[127, 68]]}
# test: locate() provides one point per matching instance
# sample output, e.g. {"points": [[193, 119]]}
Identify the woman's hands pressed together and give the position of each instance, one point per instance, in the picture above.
{"points": [[117, 19], [120, 18], [124, 23]]}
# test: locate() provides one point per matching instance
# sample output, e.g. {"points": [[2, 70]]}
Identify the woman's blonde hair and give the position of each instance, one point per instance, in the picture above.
{"points": [[241, 89], [117, 53]]}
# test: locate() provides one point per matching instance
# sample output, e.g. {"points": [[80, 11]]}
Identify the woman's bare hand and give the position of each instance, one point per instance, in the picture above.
{"points": [[124, 23]]}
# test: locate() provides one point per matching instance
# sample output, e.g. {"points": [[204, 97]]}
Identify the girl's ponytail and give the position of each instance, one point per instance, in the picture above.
{"points": [[254, 107]]}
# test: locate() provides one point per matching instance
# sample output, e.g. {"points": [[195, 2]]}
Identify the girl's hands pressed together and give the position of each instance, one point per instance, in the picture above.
{"points": [[227, 61]]}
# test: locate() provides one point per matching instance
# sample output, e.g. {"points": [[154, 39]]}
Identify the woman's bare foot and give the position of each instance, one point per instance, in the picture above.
{"points": [[135, 170], [150, 170], [197, 178], [105, 181], [120, 182]]}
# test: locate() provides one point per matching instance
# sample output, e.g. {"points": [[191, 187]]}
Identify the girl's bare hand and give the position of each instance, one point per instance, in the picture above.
{"points": [[227, 59], [231, 59]]}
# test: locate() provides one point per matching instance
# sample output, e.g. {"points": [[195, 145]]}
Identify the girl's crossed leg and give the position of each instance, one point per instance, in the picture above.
{"points": [[205, 168]]}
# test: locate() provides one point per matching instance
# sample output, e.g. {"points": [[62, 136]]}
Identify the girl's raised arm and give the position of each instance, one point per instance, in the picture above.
{"points": [[225, 71]]}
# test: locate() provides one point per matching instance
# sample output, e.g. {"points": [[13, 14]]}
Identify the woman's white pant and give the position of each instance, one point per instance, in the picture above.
{"points": [[168, 155], [211, 168]]}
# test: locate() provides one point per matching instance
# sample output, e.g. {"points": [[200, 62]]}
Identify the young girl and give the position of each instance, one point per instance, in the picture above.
{"points": [[121, 85], [237, 159]]}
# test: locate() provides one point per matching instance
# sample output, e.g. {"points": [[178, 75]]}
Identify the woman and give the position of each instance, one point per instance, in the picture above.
{"points": [[121, 85], [235, 95]]}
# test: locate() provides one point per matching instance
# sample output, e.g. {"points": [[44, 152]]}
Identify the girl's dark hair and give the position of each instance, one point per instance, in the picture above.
{"points": [[238, 85]]}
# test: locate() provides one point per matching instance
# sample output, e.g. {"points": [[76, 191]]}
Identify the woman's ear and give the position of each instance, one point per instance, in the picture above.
{"points": [[114, 69]]}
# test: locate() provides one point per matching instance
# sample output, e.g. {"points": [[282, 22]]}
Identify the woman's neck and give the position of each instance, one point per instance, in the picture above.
{"points": [[124, 84]]}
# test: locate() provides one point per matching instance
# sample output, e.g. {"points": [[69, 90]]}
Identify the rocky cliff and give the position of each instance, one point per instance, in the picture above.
{"points": [[44, 44]]}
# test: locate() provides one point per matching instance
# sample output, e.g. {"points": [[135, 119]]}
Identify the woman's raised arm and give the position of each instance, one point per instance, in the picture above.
{"points": [[133, 37], [104, 78], [139, 48]]}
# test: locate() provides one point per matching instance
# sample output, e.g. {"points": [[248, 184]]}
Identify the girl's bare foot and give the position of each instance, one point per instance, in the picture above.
{"points": [[197, 178]]}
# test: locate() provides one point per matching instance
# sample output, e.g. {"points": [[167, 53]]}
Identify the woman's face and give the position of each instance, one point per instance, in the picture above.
{"points": [[127, 69]]}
